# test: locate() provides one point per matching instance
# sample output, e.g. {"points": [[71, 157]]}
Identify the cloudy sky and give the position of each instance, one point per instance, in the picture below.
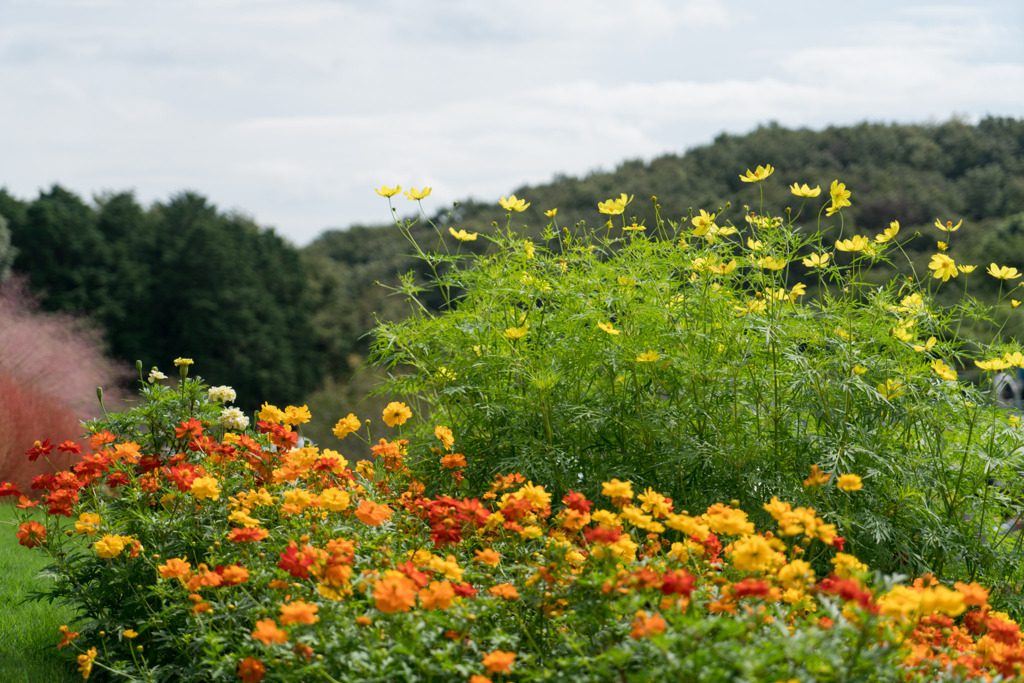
{"points": [[292, 111]]}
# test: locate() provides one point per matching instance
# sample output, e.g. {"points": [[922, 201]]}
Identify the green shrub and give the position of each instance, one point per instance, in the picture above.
{"points": [[685, 356]]}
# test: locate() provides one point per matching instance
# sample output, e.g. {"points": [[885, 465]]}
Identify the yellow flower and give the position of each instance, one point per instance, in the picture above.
{"points": [[804, 190], [130, 633], [444, 434], [859, 369], [754, 245], [888, 233], [902, 332], [752, 554], [942, 246], [648, 357], [513, 203], [758, 174], [772, 263], [702, 223], [1003, 272], [85, 663], [856, 243], [1016, 358], [816, 260], [396, 414], [723, 268], [633, 227], [385, 191], [799, 289], [551, 213], [927, 345], [462, 235], [849, 482], [614, 207], [967, 269], [413, 193], [840, 197], [178, 362], [297, 415], [88, 523], [617, 489], [517, 332], [205, 487], [992, 364], [271, 413], [528, 248], [948, 227], [607, 327], [943, 370], [346, 426], [943, 266], [111, 545]]}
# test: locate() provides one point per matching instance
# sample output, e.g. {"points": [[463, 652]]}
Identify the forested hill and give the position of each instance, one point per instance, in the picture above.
{"points": [[181, 278]]}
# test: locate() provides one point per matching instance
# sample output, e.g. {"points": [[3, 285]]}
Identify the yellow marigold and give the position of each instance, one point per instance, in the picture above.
{"points": [[849, 482], [535, 494], [205, 487], [178, 362], [111, 545], [297, 415], [847, 565], [944, 600], [271, 413], [346, 426], [88, 523], [517, 332], [445, 436], [752, 554], [448, 567], [797, 573], [728, 520], [396, 414], [617, 489]]}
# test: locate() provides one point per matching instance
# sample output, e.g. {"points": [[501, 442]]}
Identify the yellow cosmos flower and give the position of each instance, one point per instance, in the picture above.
{"points": [[551, 213], [396, 414], [948, 227], [943, 266], [413, 193], [859, 369], [992, 364], [849, 482], [614, 207], [804, 190], [385, 191], [754, 245], [723, 268], [967, 269], [757, 175], [648, 357], [799, 289], [942, 246], [943, 370], [931, 341], [1015, 358], [513, 203], [888, 233], [462, 235], [753, 554], [607, 327], [1014, 303], [772, 263], [617, 489], [840, 197], [855, 243], [1003, 272], [517, 332], [816, 260], [634, 227], [205, 487], [702, 223]]}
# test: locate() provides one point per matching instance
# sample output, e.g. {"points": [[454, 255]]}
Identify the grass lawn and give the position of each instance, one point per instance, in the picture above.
{"points": [[28, 629]]}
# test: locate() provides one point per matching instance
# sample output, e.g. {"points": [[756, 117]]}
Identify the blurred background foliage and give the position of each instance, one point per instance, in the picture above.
{"points": [[290, 325]]}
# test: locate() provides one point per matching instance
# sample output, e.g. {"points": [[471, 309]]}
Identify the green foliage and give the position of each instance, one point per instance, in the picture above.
{"points": [[180, 278], [679, 357]]}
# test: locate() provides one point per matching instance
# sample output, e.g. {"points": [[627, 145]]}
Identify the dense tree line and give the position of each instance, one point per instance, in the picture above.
{"points": [[184, 279], [177, 279]]}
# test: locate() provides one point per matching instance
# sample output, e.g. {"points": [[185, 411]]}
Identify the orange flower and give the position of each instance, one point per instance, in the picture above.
{"points": [[235, 574], [437, 595], [817, 477], [488, 556], [267, 632], [299, 612], [452, 460], [85, 663], [251, 670], [504, 590], [31, 534], [372, 513], [394, 593], [477, 678], [499, 662], [346, 426], [67, 635], [364, 620], [444, 434], [244, 535], [644, 625]]}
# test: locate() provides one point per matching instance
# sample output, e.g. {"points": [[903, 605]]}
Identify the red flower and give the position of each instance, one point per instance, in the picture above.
{"points": [[750, 587], [244, 535], [577, 501], [69, 447], [838, 542], [9, 489], [189, 428], [38, 449], [464, 590], [677, 582]]}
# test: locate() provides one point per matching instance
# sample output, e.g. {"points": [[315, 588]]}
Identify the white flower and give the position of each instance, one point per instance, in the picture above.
{"points": [[233, 418], [222, 394], [155, 375]]}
